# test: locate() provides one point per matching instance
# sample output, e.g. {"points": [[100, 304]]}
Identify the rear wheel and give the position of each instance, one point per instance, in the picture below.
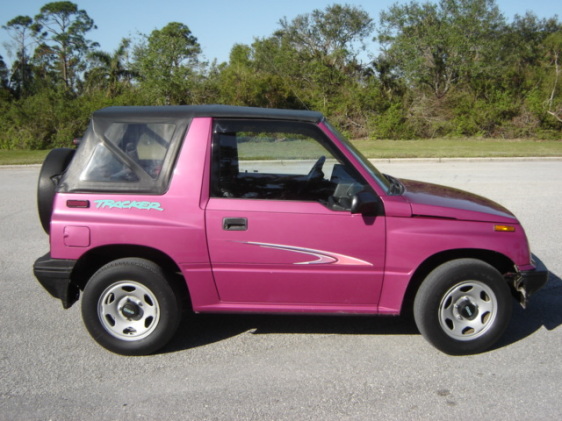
{"points": [[463, 306], [129, 307], [54, 165]]}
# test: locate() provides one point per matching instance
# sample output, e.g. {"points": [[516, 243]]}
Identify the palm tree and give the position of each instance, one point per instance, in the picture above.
{"points": [[110, 72]]}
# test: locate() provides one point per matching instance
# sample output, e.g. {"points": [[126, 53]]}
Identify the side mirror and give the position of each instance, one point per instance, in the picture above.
{"points": [[366, 203]]}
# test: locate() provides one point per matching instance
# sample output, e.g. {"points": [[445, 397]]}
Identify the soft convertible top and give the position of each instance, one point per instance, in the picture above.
{"points": [[133, 149], [218, 111]]}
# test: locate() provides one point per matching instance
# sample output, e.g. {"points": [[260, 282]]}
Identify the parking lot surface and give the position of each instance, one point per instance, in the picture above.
{"points": [[223, 367]]}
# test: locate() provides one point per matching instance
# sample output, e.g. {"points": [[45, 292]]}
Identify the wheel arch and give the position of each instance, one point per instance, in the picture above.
{"points": [[497, 260], [94, 259]]}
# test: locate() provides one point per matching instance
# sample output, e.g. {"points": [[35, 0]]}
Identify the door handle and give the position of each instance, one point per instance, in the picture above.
{"points": [[235, 224]]}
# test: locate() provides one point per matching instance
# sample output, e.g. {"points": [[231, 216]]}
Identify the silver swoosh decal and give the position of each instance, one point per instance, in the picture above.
{"points": [[322, 257]]}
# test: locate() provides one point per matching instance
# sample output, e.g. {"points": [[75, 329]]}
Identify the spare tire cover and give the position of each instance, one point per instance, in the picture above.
{"points": [[55, 163]]}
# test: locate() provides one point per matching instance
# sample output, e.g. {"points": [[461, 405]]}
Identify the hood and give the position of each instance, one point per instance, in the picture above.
{"points": [[436, 201]]}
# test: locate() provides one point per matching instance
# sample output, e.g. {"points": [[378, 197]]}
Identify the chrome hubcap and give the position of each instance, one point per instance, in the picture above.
{"points": [[128, 310], [468, 310]]}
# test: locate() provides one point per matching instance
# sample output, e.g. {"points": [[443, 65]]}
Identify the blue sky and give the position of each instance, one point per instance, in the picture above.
{"points": [[218, 24]]}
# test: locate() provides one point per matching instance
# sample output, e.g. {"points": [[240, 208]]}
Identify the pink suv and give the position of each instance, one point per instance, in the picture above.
{"points": [[221, 209]]}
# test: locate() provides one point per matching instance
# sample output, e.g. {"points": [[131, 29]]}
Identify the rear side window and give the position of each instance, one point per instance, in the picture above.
{"points": [[123, 156], [141, 147]]}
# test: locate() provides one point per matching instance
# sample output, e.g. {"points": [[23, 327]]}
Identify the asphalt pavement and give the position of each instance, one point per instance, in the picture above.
{"points": [[224, 367]]}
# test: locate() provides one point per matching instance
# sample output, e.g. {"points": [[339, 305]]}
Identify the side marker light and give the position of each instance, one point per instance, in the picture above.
{"points": [[504, 228]]}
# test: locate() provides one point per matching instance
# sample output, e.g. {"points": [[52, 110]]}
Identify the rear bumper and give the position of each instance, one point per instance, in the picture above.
{"points": [[54, 275], [528, 282]]}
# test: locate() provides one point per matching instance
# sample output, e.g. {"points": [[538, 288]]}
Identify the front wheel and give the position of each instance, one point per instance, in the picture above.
{"points": [[463, 306], [129, 307]]}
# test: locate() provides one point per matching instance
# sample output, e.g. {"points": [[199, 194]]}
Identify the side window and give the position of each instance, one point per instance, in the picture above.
{"points": [[129, 152], [280, 161]]}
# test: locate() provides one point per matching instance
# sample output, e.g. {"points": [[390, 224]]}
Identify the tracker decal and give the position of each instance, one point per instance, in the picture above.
{"points": [[127, 204]]}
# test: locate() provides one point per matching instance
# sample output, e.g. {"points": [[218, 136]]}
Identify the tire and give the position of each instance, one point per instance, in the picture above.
{"points": [[463, 307], [130, 308], [54, 165]]}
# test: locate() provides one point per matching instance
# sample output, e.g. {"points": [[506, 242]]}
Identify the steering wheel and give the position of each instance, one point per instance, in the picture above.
{"points": [[316, 170]]}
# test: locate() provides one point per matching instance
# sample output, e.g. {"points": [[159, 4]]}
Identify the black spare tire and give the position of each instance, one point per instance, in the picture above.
{"points": [[54, 165]]}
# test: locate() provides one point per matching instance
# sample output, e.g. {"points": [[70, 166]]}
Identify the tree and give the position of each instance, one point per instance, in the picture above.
{"points": [[451, 57], [310, 62], [21, 29], [553, 48], [62, 31], [441, 45], [319, 54], [166, 64], [252, 79], [3, 75], [334, 36], [110, 72]]}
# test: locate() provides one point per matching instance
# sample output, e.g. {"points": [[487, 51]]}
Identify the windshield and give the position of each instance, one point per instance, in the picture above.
{"points": [[381, 180]]}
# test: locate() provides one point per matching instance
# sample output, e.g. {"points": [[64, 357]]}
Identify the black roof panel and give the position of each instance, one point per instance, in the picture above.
{"points": [[218, 111]]}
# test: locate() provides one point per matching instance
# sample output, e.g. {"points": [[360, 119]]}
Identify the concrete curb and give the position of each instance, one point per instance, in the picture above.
{"points": [[467, 159], [12, 166]]}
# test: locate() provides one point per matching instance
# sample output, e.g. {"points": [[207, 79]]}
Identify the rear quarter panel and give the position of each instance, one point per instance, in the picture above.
{"points": [[172, 223]]}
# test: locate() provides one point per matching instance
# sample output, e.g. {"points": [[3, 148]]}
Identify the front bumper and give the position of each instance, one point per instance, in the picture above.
{"points": [[54, 275], [528, 282]]}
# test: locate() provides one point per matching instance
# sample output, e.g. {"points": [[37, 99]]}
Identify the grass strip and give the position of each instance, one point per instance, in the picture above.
{"points": [[423, 148]]}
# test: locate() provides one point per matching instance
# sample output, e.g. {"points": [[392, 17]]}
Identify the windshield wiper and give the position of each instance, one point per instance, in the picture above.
{"points": [[396, 187]]}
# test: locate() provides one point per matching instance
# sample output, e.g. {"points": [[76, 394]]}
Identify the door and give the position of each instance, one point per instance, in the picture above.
{"points": [[279, 227]]}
